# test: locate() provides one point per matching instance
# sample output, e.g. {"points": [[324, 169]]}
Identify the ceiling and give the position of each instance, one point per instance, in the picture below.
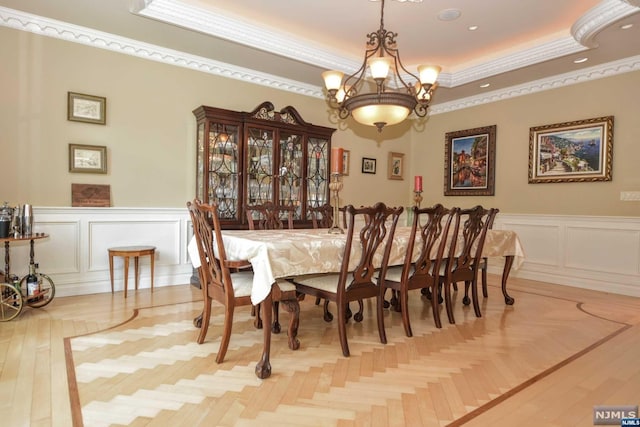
{"points": [[288, 43]]}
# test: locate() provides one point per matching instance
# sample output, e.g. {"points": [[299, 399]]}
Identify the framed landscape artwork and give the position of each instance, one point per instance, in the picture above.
{"points": [[578, 151], [470, 157], [86, 108], [87, 158]]}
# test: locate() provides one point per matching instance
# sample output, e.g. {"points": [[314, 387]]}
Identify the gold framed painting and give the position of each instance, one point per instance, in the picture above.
{"points": [[470, 157], [577, 151], [87, 158], [86, 108]]}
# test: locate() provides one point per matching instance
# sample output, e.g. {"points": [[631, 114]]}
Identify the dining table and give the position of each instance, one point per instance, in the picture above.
{"points": [[277, 254]]}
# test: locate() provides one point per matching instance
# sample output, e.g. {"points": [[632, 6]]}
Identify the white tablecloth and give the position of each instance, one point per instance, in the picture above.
{"points": [[276, 254]]}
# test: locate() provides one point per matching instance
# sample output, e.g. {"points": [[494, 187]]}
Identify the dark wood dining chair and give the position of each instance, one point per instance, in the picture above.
{"points": [[218, 283], [359, 282], [421, 266], [321, 216], [485, 262], [465, 255], [269, 216]]}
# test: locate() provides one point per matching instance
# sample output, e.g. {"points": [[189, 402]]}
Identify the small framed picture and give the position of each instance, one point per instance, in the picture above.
{"points": [[396, 166], [86, 108], [368, 165], [87, 158], [578, 151], [346, 157]]}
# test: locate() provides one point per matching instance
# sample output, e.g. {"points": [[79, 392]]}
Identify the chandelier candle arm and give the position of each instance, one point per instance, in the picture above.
{"points": [[389, 104]]}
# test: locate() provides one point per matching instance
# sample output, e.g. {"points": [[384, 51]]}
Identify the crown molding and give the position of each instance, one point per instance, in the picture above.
{"points": [[73, 33], [218, 23], [555, 82], [60, 30], [585, 29]]}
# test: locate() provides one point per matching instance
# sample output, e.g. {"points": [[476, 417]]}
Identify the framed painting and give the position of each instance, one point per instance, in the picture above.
{"points": [[396, 166], [470, 157], [368, 165], [578, 151], [86, 108], [346, 157], [87, 158]]}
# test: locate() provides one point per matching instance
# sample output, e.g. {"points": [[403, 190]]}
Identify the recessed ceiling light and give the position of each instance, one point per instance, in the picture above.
{"points": [[449, 14], [485, 85], [472, 27], [626, 26], [580, 60]]}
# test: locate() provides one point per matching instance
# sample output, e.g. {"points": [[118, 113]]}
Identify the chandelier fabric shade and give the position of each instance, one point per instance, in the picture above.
{"points": [[389, 99]]}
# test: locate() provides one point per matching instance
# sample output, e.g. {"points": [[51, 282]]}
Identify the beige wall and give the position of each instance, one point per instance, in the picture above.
{"points": [[150, 133], [617, 96]]}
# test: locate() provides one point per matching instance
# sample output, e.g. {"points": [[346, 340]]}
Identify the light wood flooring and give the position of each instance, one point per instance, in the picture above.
{"points": [[101, 360]]}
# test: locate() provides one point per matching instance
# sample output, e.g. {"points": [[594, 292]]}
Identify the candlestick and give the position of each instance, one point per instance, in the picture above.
{"points": [[335, 186], [417, 198], [336, 160]]}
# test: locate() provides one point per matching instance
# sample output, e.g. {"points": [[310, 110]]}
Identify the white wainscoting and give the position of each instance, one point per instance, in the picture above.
{"points": [[600, 253], [75, 255]]}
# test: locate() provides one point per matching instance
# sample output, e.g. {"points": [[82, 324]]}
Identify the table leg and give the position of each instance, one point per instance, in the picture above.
{"points": [[508, 262], [126, 275], [152, 268], [136, 262], [111, 270], [263, 368]]}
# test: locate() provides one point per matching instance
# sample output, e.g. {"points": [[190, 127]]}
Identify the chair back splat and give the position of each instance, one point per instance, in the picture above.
{"points": [[269, 216]]}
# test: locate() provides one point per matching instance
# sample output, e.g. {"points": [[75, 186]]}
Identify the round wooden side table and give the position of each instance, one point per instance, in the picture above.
{"points": [[127, 252]]}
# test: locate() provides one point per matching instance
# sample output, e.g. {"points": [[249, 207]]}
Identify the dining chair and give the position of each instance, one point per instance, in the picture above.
{"points": [[217, 282], [269, 216], [321, 216], [358, 281], [465, 255], [485, 262], [422, 261]]}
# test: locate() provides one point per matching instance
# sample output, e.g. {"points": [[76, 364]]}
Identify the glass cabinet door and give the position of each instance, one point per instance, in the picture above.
{"points": [[260, 169], [290, 171], [223, 161], [317, 176]]}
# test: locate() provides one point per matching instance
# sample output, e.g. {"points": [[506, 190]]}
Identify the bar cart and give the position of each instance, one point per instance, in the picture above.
{"points": [[14, 292]]}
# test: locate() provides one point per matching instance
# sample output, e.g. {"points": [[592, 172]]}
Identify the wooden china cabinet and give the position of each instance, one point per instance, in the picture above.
{"points": [[248, 158]]}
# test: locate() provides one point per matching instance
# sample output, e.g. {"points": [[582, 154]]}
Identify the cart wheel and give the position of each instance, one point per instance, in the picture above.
{"points": [[10, 302], [46, 294]]}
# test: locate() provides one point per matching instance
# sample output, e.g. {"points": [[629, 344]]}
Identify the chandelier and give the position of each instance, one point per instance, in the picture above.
{"points": [[391, 99]]}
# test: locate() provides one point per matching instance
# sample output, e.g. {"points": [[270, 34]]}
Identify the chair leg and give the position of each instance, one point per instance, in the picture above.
{"points": [[342, 330], [448, 303], [293, 307], [484, 279], [380, 318], [204, 320], [403, 303], [435, 307], [318, 300], [257, 322], [359, 316], [474, 296], [327, 316], [275, 327], [226, 333]]}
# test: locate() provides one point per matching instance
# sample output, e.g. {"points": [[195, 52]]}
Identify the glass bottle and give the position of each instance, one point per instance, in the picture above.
{"points": [[33, 286]]}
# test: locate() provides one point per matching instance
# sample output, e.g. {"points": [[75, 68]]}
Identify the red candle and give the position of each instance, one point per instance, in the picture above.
{"points": [[417, 183], [336, 160]]}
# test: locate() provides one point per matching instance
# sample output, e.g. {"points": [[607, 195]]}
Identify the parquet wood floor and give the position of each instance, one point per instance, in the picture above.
{"points": [[99, 360]]}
